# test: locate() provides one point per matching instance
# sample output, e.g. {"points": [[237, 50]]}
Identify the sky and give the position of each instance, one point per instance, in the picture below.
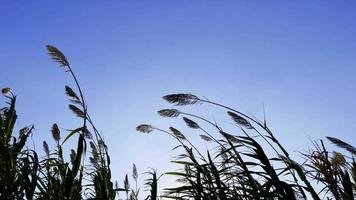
{"points": [[295, 59]]}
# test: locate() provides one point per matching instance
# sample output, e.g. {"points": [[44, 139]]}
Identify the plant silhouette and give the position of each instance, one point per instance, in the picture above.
{"points": [[238, 167]]}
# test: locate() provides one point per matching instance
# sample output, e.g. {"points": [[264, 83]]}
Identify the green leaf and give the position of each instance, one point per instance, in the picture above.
{"points": [[72, 133]]}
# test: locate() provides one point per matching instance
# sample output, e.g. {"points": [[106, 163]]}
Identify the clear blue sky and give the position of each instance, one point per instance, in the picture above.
{"points": [[297, 58]]}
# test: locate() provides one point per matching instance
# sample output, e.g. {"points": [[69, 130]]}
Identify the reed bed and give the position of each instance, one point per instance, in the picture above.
{"points": [[237, 167]]}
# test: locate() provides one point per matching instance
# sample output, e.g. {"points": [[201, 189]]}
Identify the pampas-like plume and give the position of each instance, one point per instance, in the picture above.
{"points": [[342, 144], [95, 156], [144, 128], [46, 148], [56, 133], [191, 123], [74, 97], [88, 135], [57, 56], [77, 111], [230, 137], [92, 146], [4, 91], [72, 155], [134, 172], [239, 120], [102, 144], [168, 112], [206, 138], [126, 184], [181, 99], [177, 133]]}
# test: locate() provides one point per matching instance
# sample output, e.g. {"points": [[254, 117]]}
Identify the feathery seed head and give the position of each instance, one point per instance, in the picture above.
{"points": [[144, 128], [56, 133], [5, 91], [46, 148], [239, 120], [338, 159], [205, 137], [191, 123], [57, 56], [134, 172], [177, 133], [342, 144], [169, 112], [230, 137], [126, 183], [181, 99], [73, 96], [77, 111], [72, 155]]}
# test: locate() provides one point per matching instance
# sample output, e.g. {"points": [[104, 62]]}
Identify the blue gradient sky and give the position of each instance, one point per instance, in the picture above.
{"points": [[297, 58]]}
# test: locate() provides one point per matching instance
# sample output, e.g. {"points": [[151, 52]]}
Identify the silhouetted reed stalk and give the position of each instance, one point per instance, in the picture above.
{"points": [[100, 159]]}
